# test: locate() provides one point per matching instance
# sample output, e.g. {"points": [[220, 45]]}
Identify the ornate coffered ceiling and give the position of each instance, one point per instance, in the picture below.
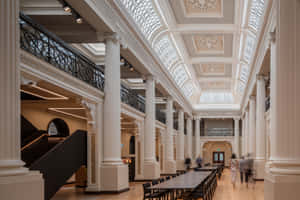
{"points": [[203, 8]]}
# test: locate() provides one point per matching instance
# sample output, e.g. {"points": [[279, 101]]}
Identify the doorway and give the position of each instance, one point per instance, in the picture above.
{"points": [[218, 157]]}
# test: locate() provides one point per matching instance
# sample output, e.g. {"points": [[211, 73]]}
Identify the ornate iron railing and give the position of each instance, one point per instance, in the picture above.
{"points": [[38, 41], [160, 116], [43, 44], [133, 99], [268, 103], [218, 132]]}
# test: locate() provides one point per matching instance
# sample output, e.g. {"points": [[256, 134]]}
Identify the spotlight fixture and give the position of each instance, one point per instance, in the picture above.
{"points": [[66, 7], [131, 68], [79, 19]]}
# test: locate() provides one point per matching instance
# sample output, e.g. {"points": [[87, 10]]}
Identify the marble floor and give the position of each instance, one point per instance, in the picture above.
{"points": [[225, 191]]}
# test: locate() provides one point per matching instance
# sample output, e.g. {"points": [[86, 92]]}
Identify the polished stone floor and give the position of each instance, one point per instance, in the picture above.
{"points": [[225, 191]]}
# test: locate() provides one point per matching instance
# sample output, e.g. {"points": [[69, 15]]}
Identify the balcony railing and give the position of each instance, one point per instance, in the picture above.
{"points": [[268, 103], [133, 99], [219, 132], [160, 116], [36, 40]]}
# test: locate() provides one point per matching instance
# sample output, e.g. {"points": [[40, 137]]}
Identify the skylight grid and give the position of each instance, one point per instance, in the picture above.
{"points": [[249, 48], [144, 15], [256, 13], [188, 89], [166, 51], [180, 75], [216, 97]]}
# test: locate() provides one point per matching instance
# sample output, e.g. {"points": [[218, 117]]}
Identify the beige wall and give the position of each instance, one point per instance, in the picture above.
{"points": [[40, 118], [125, 141], [210, 147]]}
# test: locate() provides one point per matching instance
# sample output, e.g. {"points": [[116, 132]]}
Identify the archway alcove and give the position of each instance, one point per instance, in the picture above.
{"points": [[58, 128]]}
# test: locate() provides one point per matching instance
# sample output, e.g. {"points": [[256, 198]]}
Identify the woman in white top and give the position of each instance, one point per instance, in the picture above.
{"points": [[233, 168]]}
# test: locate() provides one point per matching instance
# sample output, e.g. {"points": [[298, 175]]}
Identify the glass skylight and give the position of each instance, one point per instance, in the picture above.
{"points": [[179, 74], [249, 48], [256, 13], [144, 15], [166, 51], [188, 89], [216, 97], [244, 73]]}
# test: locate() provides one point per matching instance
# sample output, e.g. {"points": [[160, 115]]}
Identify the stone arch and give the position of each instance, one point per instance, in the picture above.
{"points": [[213, 146]]}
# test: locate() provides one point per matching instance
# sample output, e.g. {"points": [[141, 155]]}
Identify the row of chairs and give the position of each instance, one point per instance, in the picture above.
{"points": [[158, 193], [205, 190]]}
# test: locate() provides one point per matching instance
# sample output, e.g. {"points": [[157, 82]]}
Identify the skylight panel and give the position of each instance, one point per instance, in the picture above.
{"points": [[188, 89], [249, 48], [216, 97], [166, 51], [256, 13], [180, 75], [144, 15], [244, 74]]}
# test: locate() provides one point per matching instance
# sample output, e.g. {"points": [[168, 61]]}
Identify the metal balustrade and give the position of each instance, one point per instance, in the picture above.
{"points": [[160, 116], [38, 41], [219, 132]]}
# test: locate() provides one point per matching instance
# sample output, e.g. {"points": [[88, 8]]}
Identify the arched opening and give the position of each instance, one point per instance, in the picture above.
{"points": [[58, 128], [216, 152]]}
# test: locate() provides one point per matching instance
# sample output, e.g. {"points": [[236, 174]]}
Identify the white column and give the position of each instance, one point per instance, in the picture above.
{"points": [[114, 172], [16, 182], [260, 127], [246, 133], [252, 129], [189, 137], [170, 164], [237, 136], [282, 178], [180, 142], [151, 166], [243, 137], [197, 137]]}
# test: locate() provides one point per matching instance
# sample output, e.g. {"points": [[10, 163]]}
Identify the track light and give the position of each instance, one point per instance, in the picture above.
{"points": [[131, 68], [79, 20], [67, 8]]}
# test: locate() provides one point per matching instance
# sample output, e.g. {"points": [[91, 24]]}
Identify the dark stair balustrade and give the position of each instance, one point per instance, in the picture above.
{"points": [[57, 160]]}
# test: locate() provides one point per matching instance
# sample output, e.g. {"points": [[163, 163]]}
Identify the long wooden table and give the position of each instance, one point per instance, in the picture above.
{"points": [[188, 181]]}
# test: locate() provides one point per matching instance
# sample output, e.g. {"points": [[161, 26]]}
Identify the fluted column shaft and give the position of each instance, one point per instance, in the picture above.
{"points": [[10, 161], [252, 129], [112, 102], [237, 136], [189, 137], [169, 135], [197, 137], [260, 119], [149, 137], [180, 137]]}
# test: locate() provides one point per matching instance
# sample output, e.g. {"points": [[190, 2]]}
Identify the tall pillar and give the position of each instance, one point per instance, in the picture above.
{"points": [[16, 182], [252, 129], [260, 127], [151, 166], [114, 173], [282, 179], [170, 164], [237, 136], [189, 138], [180, 142], [246, 133], [197, 137], [243, 137]]}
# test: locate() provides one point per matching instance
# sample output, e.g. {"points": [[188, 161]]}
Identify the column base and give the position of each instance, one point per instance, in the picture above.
{"points": [[114, 178], [259, 166], [180, 165], [23, 186], [151, 170], [278, 187], [170, 167]]}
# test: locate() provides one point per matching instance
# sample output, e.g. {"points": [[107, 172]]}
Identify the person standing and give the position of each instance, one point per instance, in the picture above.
{"points": [[233, 169], [199, 161], [187, 163]]}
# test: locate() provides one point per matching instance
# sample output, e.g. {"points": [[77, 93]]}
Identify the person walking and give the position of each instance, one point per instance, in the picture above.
{"points": [[234, 164], [187, 163], [242, 167]]}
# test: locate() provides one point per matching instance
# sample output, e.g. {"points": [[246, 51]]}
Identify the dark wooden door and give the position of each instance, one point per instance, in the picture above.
{"points": [[219, 157]]}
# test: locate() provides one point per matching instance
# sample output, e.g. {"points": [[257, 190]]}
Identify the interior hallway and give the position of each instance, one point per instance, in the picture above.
{"points": [[224, 191]]}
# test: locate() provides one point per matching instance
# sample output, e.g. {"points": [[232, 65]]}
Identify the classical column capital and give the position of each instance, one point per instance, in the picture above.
{"points": [[261, 77], [115, 37], [149, 77], [237, 118], [252, 97], [197, 117], [272, 37]]}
